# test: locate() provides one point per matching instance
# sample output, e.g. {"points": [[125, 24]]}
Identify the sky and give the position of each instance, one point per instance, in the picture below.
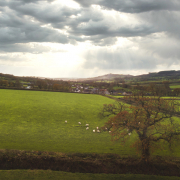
{"points": [[81, 38]]}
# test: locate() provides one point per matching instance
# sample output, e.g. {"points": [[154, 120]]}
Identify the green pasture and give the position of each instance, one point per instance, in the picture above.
{"points": [[116, 88], [35, 120], [174, 86], [56, 175]]}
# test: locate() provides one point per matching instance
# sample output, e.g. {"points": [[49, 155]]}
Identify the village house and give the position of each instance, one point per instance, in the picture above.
{"points": [[104, 92], [127, 93], [117, 92], [95, 91], [87, 91]]}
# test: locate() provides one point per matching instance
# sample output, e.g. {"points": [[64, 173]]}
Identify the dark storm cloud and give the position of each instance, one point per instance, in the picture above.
{"points": [[30, 34], [95, 24], [18, 29], [164, 21], [45, 12], [16, 24], [27, 47], [134, 6], [24, 21], [34, 1], [101, 31]]}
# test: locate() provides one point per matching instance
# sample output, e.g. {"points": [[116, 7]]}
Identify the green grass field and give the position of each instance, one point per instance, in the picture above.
{"points": [[34, 120], [59, 175], [174, 86]]}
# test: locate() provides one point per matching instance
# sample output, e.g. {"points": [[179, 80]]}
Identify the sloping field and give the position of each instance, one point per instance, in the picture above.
{"points": [[175, 86], [33, 120]]}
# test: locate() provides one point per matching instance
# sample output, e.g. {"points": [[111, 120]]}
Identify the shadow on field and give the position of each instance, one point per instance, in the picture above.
{"points": [[87, 163]]}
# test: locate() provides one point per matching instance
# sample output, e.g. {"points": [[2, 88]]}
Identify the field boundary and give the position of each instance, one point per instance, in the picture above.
{"points": [[88, 163]]}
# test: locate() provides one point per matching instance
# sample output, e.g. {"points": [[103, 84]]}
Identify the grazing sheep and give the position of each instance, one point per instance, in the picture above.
{"points": [[87, 124], [129, 134], [98, 131], [94, 130], [65, 121], [97, 127], [87, 128], [106, 128], [79, 122], [109, 131]]}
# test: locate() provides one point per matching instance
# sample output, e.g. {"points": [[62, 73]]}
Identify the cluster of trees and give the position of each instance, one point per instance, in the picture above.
{"points": [[154, 89], [10, 81], [7, 83]]}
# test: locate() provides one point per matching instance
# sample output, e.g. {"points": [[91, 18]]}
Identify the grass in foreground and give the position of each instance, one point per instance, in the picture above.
{"points": [[47, 174]]}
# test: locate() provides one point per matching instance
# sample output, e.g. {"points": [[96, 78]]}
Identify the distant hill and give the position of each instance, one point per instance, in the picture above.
{"points": [[172, 74], [98, 78], [110, 77], [161, 74]]}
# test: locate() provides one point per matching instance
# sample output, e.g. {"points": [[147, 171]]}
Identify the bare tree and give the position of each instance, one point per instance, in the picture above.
{"points": [[150, 118]]}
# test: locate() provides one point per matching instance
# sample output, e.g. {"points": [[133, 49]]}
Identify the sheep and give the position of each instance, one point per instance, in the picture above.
{"points": [[79, 122], [87, 128], [129, 134], [106, 128], [94, 130], [139, 122], [97, 127], [87, 124], [98, 131], [65, 121], [109, 131]]}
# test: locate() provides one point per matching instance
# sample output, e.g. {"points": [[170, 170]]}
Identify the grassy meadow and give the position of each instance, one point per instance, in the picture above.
{"points": [[175, 86], [35, 120]]}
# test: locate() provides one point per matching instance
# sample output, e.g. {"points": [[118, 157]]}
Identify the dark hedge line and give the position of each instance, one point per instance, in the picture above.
{"points": [[87, 163]]}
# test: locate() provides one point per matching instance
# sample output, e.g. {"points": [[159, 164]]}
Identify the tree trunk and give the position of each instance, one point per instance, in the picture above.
{"points": [[145, 150]]}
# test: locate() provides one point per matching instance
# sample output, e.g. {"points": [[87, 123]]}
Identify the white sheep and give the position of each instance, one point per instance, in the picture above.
{"points": [[97, 127], [94, 130], [106, 128], [87, 128], [98, 131], [87, 124], [65, 121], [109, 131], [129, 134], [79, 122]]}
